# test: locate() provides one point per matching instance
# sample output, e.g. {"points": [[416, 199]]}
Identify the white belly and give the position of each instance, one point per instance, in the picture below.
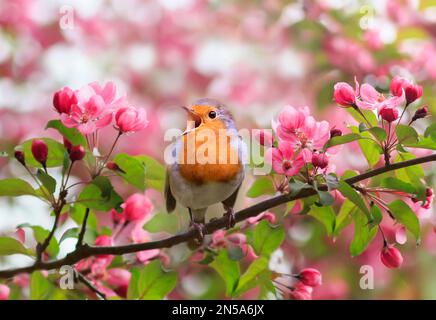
{"points": [[197, 196]]}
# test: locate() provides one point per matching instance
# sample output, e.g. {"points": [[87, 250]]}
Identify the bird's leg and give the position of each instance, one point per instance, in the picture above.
{"points": [[198, 228], [230, 215]]}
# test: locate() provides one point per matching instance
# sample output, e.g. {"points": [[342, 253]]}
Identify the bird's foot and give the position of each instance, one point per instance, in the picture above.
{"points": [[230, 215], [198, 227]]}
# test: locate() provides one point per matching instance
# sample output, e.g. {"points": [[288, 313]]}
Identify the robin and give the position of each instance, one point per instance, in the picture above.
{"points": [[209, 164]]}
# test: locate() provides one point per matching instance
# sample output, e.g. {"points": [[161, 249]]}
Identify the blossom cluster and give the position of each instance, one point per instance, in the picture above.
{"points": [[94, 107]]}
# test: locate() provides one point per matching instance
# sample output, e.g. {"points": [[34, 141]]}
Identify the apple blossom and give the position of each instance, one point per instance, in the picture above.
{"points": [[388, 114], [344, 94], [412, 91], [420, 113], [284, 160], [64, 99], [137, 207], [130, 119], [320, 160]]}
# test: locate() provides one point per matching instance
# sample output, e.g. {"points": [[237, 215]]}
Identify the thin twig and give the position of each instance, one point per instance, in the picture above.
{"points": [[83, 229], [80, 277]]}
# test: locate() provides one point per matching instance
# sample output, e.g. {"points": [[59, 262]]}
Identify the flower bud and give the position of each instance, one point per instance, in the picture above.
{"points": [[320, 160], [391, 257], [40, 151], [310, 277], [412, 91], [335, 133], [77, 153], [265, 138], [344, 94], [114, 167], [118, 217], [4, 292], [137, 207], [420, 113], [64, 99], [67, 144], [19, 155], [389, 114]]}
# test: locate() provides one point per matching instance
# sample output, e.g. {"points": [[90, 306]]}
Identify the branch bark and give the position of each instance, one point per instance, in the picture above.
{"points": [[86, 251]]}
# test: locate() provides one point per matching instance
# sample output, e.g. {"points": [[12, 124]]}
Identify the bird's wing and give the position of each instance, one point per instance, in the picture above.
{"points": [[230, 201], [169, 198]]}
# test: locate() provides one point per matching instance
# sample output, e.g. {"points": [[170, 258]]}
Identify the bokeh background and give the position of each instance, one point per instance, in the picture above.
{"points": [[256, 56]]}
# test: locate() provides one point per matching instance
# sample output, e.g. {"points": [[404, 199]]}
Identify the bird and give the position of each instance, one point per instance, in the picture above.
{"points": [[209, 166]]}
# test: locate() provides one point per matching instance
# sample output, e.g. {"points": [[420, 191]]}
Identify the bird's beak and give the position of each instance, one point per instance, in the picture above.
{"points": [[194, 118]]}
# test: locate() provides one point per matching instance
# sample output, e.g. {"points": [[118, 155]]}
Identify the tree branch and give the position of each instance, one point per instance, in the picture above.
{"points": [[83, 252]]}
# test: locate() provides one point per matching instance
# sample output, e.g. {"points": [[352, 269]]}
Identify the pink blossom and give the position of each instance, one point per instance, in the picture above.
{"points": [[64, 99], [290, 120], [411, 91], [264, 137], [21, 235], [388, 113], [139, 235], [284, 160], [269, 216], [118, 277], [344, 94], [4, 292], [137, 207], [130, 119], [400, 235], [320, 160], [88, 116], [39, 150]]}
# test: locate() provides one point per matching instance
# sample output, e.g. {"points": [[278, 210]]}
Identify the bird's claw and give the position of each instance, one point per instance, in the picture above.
{"points": [[199, 232], [230, 215]]}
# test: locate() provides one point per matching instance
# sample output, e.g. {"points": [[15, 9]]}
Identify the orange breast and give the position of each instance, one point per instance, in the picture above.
{"points": [[209, 156]]}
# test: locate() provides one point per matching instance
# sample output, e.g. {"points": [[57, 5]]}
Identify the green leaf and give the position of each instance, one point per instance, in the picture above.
{"points": [[348, 192], [397, 184], [378, 133], [47, 181], [423, 143], [255, 268], [412, 174], [40, 287], [55, 157], [295, 186], [369, 115], [261, 186], [162, 222], [364, 233], [344, 217], [40, 235], [14, 187], [325, 198], [267, 239], [342, 140], [228, 270], [376, 213], [154, 174], [235, 253], [153, 283], [70, 233], [134, 170], [326, 216], [72, 134], [431, 132], [10, 246], [406, 134], [370, 149], [403, 214], [100, 195]]}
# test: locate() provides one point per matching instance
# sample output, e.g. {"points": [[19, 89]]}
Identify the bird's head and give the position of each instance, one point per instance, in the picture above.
{"points": [[209, 113]]}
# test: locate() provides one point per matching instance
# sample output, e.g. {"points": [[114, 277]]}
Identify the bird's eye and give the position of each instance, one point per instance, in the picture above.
{"points": [[212, 114]]}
